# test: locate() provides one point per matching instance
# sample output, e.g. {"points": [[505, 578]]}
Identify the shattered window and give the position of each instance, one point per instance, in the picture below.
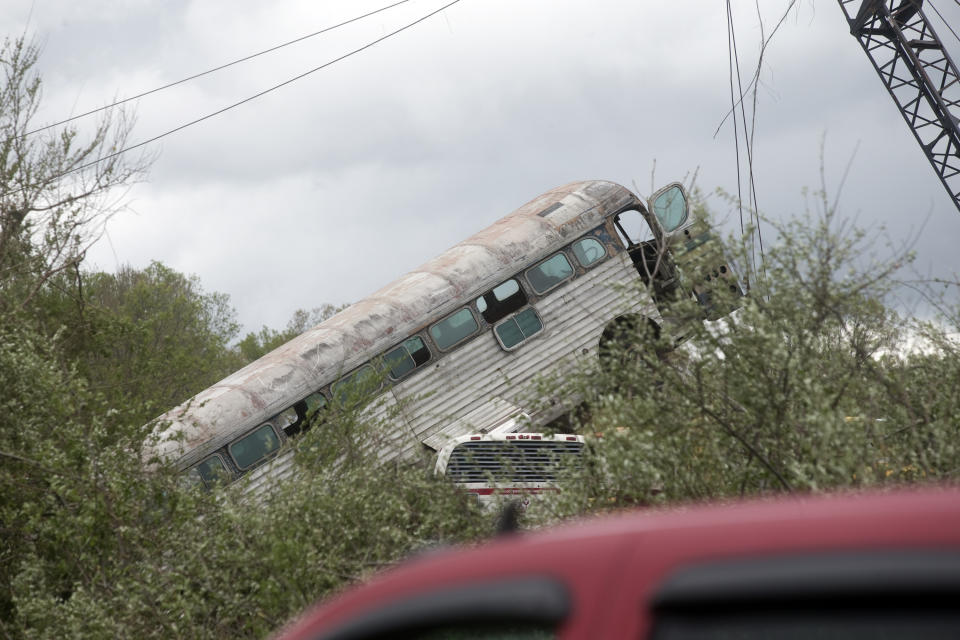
{"points": [[314, 403], [549, 273], [307, 411], [513, 331], [453, 329], [632, 228], [405, 358], [587, 251], [286, 419], [502, 300], [255, 446]]}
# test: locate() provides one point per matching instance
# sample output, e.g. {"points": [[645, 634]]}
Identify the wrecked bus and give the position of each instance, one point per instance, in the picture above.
{"points": [[457, 345]]}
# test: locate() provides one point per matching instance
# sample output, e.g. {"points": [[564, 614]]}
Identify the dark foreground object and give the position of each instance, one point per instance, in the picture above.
{"points": [[851, 566]]}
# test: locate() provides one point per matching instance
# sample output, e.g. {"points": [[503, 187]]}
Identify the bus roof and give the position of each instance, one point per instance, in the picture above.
{"points": [[272, 383]]}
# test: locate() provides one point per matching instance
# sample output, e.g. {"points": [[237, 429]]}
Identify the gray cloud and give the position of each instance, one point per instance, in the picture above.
{"points": [[405, 149]]}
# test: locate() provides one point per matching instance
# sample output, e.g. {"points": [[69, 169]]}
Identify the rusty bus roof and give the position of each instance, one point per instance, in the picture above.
{"points": [[318, 356]]}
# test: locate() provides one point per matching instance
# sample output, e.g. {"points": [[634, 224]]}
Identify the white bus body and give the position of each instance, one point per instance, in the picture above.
{"points": [[463, 339]]}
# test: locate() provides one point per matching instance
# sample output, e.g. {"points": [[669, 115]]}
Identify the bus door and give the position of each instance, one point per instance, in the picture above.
{"points": [[677, 254], [699, 265]]}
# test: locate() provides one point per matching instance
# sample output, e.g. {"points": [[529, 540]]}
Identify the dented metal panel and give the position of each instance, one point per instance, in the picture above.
{"points": [[461, 383]]}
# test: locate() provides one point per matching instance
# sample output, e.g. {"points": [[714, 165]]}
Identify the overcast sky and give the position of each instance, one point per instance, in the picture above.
{"points": [[331, 187]]}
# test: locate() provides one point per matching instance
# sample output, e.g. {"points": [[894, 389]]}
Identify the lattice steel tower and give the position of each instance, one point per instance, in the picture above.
{"points": [[919, 74]]}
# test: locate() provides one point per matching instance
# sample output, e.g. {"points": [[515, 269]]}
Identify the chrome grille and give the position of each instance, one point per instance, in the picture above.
{"points": [[512, 460]]}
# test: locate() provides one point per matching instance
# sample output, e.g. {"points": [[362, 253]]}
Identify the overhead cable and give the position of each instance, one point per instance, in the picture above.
{"points": [[937, 11], [248, 99], [215, 69]]}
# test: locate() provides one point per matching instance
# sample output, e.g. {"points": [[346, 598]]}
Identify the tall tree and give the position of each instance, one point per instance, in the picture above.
{"points": [[57, 188], [149, 338]]}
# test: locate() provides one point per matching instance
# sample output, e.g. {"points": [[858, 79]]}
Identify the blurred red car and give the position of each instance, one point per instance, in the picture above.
{"points": [[848, 566]]}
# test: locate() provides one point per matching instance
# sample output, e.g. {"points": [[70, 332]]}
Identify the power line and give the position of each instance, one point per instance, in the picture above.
{"points": [[733, 108], [245, 100], [748, 134], [215, 69], [937, 11]]}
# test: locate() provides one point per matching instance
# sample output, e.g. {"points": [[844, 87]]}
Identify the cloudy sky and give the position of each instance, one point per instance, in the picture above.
{"points": [[332, 186]]}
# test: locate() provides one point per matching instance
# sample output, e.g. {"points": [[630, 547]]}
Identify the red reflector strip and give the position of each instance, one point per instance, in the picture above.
{"points": [[474, 437], [572, 438], [511, 437], [534, 437]]}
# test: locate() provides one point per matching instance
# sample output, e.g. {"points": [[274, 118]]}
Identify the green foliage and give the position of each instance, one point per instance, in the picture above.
{"points": [[54, 199], [809, 386], [805, 388], [111, 550], [153, 338]]}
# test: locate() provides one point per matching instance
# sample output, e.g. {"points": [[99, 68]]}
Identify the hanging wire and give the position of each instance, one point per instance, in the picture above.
{"points": [[944, 20], [736, 134], [241, 102], [737, 104], [209, 71]]}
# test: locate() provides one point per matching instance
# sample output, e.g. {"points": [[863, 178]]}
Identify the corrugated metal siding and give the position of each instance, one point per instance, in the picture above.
{"points": [[574, 316]]}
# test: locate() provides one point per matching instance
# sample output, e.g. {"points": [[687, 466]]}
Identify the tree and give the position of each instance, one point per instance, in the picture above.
{"points": [[146, 339], [57, 190]]}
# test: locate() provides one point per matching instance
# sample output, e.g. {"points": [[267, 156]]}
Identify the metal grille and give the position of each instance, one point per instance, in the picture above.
{"points": [[919, 74], [512, 460]]}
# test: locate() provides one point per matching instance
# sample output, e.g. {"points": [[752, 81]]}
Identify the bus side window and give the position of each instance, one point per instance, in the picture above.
{"points": [[588, 251], [211, 471], [288, 420], [549, 273], [518, 328], [255, 446], [300, 416], [501, 301], [454, 329], [353, 388], [406, 357]]}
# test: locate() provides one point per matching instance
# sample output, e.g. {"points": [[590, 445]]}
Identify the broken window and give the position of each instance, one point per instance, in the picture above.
{"points": [[632, 228], [453, 329], [501, 301], [314, 403], [512, 331], [255, 446], [287, 420], [406, 357], [549, 273], [588, 251], [304, 412]]}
